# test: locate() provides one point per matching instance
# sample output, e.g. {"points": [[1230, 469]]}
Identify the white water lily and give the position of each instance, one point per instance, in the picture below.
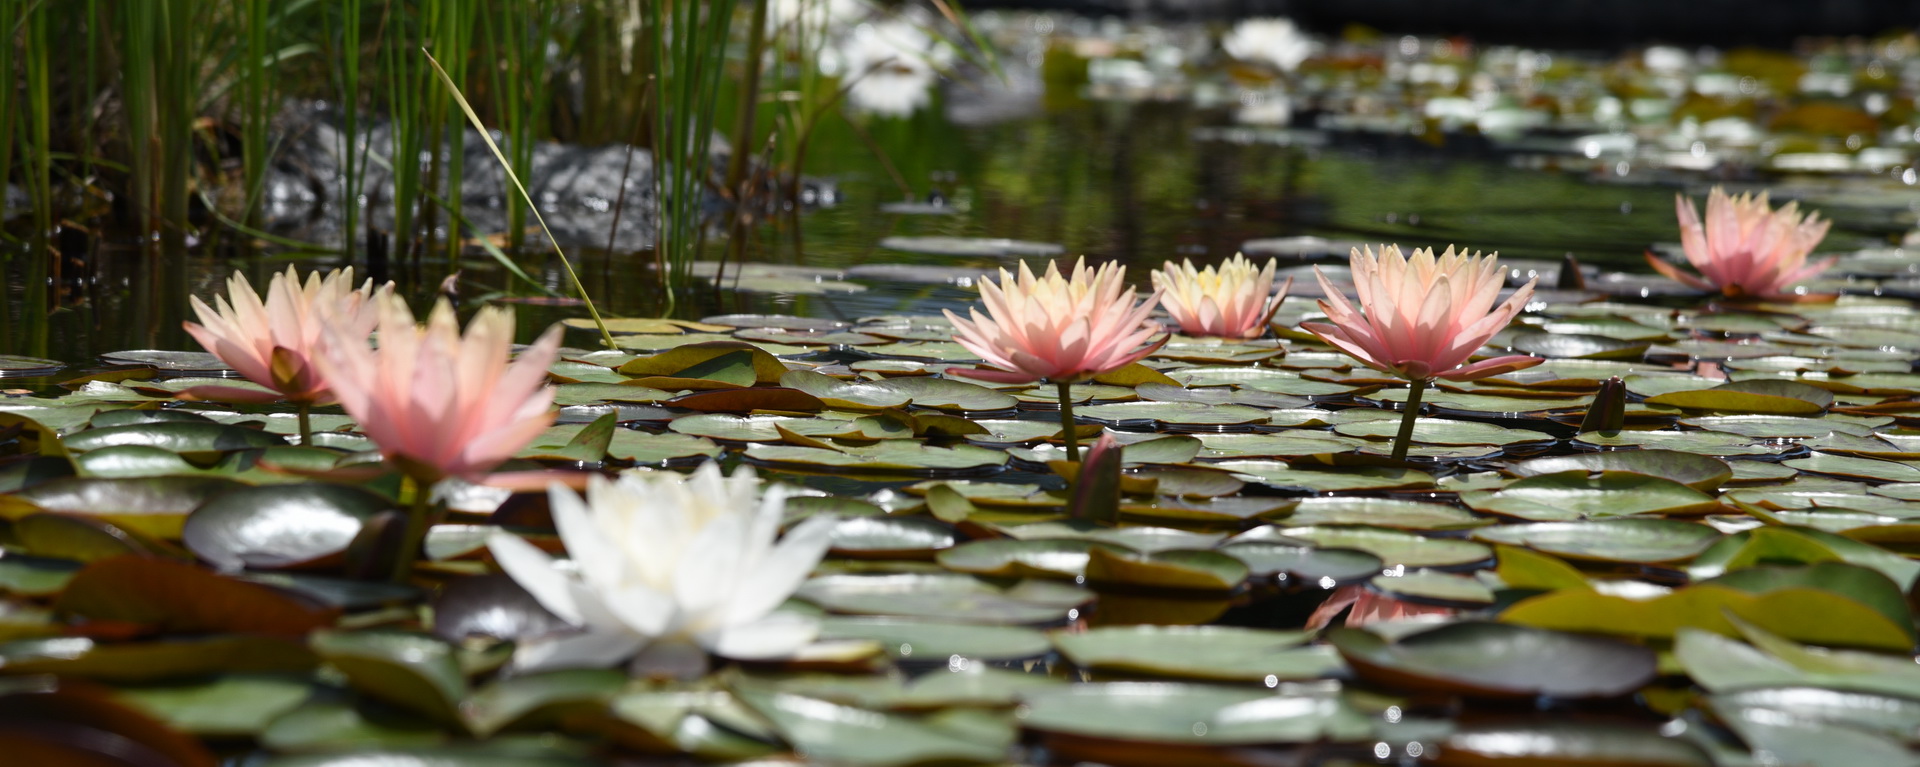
{"points": [[662, 562], [894, 64], [1274, 41]]}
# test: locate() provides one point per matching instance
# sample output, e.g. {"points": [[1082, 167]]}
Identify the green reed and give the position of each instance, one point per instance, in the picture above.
{"points": [[348, 87], [408, 87], [516, 35], [690, 49], [34, 135]]}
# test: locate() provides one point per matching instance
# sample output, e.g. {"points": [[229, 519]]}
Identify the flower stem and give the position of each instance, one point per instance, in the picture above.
{"points": [[419, 520], [1415, 388], [1067, 426], [306, 424]]}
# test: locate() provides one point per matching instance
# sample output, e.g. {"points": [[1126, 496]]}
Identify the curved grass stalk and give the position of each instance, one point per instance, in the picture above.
{"points": [[572, 276]]}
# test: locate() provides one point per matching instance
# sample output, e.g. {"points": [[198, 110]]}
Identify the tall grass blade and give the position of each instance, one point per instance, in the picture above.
{"points": [[605, 336]]}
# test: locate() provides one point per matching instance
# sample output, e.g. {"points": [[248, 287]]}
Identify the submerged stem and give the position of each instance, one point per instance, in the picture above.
{"points": [[1067, 426], [306, 424], [1415, 388]]}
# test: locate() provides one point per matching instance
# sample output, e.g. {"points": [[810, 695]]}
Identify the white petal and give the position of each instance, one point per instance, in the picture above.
{"points": [[642, 609], [535, 572], [597, 648], [597, 555], [781, 573], [776, 635], [709, 568]]}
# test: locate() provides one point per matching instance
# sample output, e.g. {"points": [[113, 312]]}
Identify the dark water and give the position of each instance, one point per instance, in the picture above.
{"points": [[1131, 182]]}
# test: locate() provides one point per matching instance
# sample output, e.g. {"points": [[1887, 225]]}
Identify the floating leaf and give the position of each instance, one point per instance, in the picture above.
{"points": [[1133, 713], [182, 598], [280, 526], [152, 506], [1498, 660], [417, 673], [950, 597], [1700, 472], [1215, 653], [181, 437], [1769, 397], [1649, 541], [1395, 547], [1014, 558], [937, 641], [1577, 494]]}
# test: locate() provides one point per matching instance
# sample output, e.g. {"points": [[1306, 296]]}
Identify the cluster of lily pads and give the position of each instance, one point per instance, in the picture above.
{"points": [[1682, 539]]}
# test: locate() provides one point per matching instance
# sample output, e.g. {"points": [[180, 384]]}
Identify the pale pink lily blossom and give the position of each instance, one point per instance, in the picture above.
{"points": [[1234, 300], [1064, 329], [1422, 317], [664, 563], [276, 343], [1745, 249], [437, 402]]}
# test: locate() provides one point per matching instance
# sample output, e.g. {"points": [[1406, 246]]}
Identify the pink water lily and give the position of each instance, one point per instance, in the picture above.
{"points": [[1234, 300], [1422, 317], [1746, 249], [439, 403], [276, 343], [1058, 328]]}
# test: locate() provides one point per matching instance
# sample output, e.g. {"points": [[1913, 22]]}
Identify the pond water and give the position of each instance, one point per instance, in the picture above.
{"points": [[1137, 182]]}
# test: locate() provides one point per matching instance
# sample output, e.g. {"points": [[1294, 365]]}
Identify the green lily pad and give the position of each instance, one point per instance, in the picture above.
{"points": [[153, 506], [1856, 468], [1173, 414], [1712, 443], [1569, 495], [180, 437], [847, 395], [1647, 541], [949, 395], [890, 455], [1193, 715], [1394, 547], [1324, 567], [930, 640], [1282, 444], [1212, 653], [1829, 603], [1700, 472], [1016, 558], [1442, 431], [279, 526], [415, 672], [1434, 587], [1329, 479], [646, 449], [839, 734], [1767, 397], [946, 596], [1560, 741], [1182, 569], [1497, 660], [890, 537], [1382, 512], [539, 699], [229, 706], [1593, 347]]}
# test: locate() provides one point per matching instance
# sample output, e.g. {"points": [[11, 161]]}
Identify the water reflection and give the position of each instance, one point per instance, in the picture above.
{"points": [[1032, 156]]}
